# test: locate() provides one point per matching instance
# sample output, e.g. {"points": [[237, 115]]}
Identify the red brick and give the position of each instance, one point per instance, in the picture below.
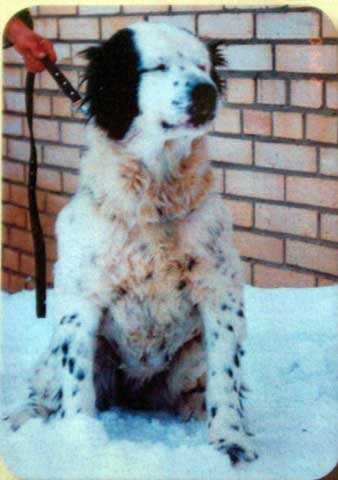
{"points": [[322, 128], [325, 282], [255, 184], [14, 101], [261, 247], [110, 25], [286, 219], [228, 121], [13, 171], [288, 25], [73, 133], [5, 281], [49, 179], [21, 239], [288, 125], [10, 259], [63, 53], [61, 107], [271, 91], [12, 77], [20, 150], [286, 156], [312, 191], [332, 95], [10, 55], [42, 105], [44, 129], [98, 9], [269, 277], [55, 203], [13, 215], [247, 270], [249, 57], [70, 182], [181, 21], [27, 265], [241, 212], [17, 283], [19, 196], [145, 8], [329, 29], [218, 184], [46, 27], [5, 192], [257, 122], [12, 124], [312, 257], [226, 25], [307, 93], [329, 161], [62, 156], [329, 227], [51, 249], [230, 150], [307, 58], [57, 10], [79, 28], [240, 90]]}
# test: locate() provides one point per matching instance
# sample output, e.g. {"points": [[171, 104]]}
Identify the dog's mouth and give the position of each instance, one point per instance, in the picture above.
{"points": [[195, 121]]}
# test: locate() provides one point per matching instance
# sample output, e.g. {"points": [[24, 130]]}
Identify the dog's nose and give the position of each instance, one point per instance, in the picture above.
{"points": [[203, 103]]}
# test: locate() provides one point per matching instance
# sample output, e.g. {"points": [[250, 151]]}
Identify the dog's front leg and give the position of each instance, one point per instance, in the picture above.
{"points": [[223, 322], [74, 345]]}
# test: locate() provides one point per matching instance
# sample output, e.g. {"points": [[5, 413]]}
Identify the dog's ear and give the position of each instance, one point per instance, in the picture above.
{"points": [[112, 79], [218, 60]]}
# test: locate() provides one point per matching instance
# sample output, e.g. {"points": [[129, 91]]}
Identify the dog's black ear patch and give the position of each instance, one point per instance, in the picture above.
{"points": [[112, 77], [217, 60]]}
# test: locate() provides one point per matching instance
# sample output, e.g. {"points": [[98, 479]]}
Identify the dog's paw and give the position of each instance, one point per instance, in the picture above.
{"points": [[238, 454], [16, 420]]}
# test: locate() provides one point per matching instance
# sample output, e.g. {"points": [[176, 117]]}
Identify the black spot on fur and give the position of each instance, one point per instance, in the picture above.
{"points": [[213, 411], [213, 373], [59, 395], [62, 321], [224, 306], [65, 348], [240, 313], [72, 317], [234, 427], [113, 78], [236, 360], [191, 264], [235, 453], [149, 276], [216, 334], [75, 392], [64, 361], [230, 372], [80, 375], [230, 328], [55, 350], [63, 414], [79, 410], [71, 364], [182, 284]]}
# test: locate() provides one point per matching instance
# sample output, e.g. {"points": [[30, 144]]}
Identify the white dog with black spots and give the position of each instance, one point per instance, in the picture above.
{"points": [[149, 285]]}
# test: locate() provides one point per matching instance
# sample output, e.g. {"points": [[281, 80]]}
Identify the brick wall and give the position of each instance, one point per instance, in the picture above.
{"points": [[274, 145]]}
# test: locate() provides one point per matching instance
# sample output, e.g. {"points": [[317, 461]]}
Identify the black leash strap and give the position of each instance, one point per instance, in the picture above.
{"points": [[38, 240]]}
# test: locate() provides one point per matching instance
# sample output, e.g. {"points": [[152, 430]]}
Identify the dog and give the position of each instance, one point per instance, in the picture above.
{"points": [[148, 283]]}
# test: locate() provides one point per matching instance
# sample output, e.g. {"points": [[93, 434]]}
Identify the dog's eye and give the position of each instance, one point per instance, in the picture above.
{"points": [[202, 67]]}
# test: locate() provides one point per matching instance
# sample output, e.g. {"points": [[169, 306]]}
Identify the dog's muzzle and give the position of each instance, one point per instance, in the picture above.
{"points": [[203, 104]]}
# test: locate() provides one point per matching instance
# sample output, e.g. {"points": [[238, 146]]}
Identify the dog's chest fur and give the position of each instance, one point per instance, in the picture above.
{"points": [[151, 313], [135, 259]]}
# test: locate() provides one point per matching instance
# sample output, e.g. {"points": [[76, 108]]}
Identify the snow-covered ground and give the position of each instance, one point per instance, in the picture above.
{"points": [[291, 366]]}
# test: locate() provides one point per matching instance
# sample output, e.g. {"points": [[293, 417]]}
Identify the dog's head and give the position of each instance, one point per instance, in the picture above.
{"points": [[154, 78]]}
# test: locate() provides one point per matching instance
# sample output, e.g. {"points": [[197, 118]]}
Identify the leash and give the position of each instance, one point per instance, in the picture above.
{"points": [[37, 233]]}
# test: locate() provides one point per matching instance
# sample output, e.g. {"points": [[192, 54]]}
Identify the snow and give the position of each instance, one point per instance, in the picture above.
{"points": [[291, 366]]}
